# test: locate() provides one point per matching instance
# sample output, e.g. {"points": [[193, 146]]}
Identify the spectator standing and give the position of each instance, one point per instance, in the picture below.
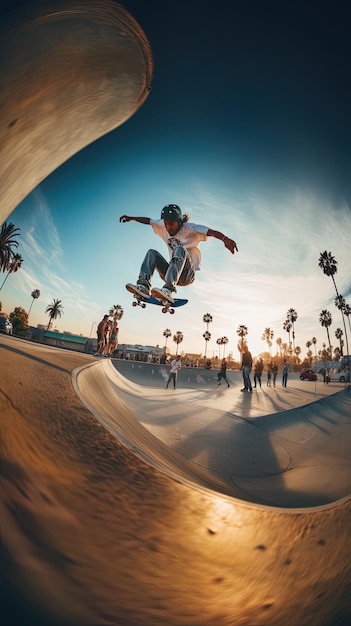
{"points": [[223, 373], [101, 332], [176, 366], [269, 374], [246, 365], [274, 373], [285, 372], [258, 372], [113, 339]]}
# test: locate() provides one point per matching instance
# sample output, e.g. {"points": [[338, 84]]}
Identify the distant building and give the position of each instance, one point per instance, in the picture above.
{"points": [[67, 341], [135, 352]]}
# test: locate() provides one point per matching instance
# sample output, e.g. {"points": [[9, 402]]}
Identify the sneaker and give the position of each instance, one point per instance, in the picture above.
{"points": [[138, 290], [163, 294]]}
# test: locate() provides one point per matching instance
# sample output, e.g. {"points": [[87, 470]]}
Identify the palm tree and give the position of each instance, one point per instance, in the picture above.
{"points": [[267, 336], [207, 318], [292, 317], [166, 333], [178, 338], [287, 326], [338, 335], [340, 303], [12, 267], [337, 354], [328, 264], [54, 310], [285, 348], [35, 295], [219, 343], [325, 319], [207, 337], [347, 312], [7, 242], [314, 341], [297, 352], [116, 311], [278, 341], [224, 343], [242, 331], [309, 352]]}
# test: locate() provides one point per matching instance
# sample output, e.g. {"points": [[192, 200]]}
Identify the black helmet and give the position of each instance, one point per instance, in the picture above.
{"points": [[171, 212]]}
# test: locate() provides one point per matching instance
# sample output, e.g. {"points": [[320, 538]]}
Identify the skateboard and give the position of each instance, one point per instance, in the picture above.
{"points": [[167, 307]]}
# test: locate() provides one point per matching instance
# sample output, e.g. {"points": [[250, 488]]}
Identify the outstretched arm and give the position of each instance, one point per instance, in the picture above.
{"points": [[130, 218], [229, 243]]}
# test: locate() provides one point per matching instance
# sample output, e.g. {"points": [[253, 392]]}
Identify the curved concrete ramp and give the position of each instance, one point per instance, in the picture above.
{"points": [[257, 557], [94, 530], [298, 456], [72, 70]]}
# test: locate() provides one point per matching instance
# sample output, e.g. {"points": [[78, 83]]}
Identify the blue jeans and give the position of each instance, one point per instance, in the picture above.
{"points": [[179, 271], [246, 377]]}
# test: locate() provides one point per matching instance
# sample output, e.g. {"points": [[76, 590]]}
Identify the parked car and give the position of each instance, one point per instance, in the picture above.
{"points": [[5, 326], [307, 374], [339, 376]]}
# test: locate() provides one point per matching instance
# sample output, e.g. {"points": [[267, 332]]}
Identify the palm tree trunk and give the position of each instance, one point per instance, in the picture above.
{"points": [[5, 279], [336, 289], [30, 308], [347, 341]]}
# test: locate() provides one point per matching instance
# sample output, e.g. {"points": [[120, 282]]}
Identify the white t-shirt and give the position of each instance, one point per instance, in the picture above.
{"points": [[189, 236], [175, 366]]}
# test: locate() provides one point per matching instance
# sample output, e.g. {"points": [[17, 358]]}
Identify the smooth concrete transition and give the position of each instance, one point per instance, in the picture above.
{"points": [[150, 507], [282, 447], [71, 71], [104, 523]]}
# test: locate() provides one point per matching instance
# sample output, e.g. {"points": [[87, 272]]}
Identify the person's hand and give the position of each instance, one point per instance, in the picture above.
{"points": [[124, 218], [230, 245]]}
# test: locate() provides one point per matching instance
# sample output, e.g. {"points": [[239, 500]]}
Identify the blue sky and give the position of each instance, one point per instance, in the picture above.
{"points": [[247, 128]]}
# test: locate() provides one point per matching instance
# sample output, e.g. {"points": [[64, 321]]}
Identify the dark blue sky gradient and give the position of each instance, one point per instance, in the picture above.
{"points": [[248, 126], [267, 82]]}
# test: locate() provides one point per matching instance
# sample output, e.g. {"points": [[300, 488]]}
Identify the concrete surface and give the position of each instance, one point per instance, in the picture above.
{"points": [[103, 523], [72, 71]]}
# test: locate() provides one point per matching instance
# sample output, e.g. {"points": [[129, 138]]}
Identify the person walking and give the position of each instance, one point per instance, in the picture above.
{"points": [[269, 374], [101, 334], [285, 372], [246, 365], [113, 339], [258, 373], [182, 239], [223, 373], [176, 366], [274, 373]]}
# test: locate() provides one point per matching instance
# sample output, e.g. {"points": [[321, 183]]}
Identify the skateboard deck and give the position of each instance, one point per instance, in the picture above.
{"points": [[167, 307]]}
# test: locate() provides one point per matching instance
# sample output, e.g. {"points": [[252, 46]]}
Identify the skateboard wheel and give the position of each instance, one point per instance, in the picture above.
{"points": [[134, 304], [171, 311], [143, 305], [164, 310]]}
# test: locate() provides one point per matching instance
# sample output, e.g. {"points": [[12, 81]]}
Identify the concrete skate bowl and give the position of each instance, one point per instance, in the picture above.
{"points": [[165, 544], [247, 559], [72, 71]]}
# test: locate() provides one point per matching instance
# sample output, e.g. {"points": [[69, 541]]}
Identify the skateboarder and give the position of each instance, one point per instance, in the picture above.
{"points": [[223, 373], [176, 366], [182, 239]]}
